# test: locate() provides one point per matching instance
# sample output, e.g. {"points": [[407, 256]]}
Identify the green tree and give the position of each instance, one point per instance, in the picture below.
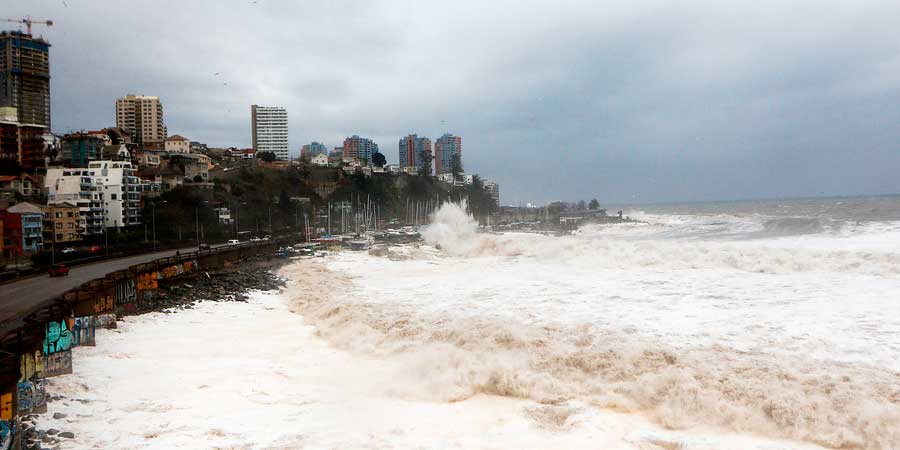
{"points": [[266, 156], [378, 159], [594, 204], [456, 167], [426, 157]]}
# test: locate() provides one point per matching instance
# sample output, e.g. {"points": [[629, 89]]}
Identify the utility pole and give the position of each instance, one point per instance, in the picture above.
{"points": [[153, 206], [197, 222]]}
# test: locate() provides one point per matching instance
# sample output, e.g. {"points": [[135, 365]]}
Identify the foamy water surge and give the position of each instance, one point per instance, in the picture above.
{"points": [[447, 359], [450, 357]]}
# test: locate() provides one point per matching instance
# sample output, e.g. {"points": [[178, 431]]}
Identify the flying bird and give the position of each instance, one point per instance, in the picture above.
{"points": [[216, 74], [65, 4]]}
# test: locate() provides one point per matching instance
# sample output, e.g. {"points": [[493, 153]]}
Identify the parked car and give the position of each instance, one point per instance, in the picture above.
{"points": [[58, 270], [233, 242]]}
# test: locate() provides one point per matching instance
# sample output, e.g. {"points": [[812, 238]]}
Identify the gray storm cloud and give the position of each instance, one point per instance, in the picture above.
{"points": [[623, 101]]}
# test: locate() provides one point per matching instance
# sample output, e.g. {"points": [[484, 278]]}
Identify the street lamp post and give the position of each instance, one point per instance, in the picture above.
{"points": [[153, 208]]}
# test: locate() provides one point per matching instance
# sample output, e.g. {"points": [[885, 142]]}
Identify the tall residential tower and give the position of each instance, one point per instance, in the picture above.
{"points": [[359, 147], [142, 116], [270, 130], [416, 151], [445, 148]]}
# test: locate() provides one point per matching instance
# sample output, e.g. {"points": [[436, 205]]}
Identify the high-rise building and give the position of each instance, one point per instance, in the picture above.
{"points": [[416, 151], [313, 149], [445, 148], [25, 77], [270, 130], [359, 147], [494, 190], [142, 116]]}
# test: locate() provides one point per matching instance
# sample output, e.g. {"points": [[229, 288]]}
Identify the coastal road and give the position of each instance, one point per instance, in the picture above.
{"points": [[20, 297]]}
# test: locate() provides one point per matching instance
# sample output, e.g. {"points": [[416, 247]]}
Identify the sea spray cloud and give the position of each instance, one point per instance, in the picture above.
{"points": [[453, 230]]}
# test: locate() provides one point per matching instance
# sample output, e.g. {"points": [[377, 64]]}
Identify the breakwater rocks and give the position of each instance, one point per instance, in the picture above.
{"points": [[224, 285]]}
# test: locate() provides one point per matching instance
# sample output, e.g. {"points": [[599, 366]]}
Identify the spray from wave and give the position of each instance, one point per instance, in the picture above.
{"points": [[455, 232]]}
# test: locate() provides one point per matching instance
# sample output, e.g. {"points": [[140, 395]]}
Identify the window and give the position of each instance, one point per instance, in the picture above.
{"points": [[114, 196]]}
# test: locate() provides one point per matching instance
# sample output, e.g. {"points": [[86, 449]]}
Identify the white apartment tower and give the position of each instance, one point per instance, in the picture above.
{"points": [[270, 130], [142, 116], [107, 194]]}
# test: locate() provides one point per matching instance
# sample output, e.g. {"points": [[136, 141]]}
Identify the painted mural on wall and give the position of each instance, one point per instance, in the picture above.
{"points": [[57, 337], [56, 364], [83, 331], [31, 397]]}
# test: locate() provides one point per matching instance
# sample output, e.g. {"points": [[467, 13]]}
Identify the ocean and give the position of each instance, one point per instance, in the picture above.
{"points": [[757, 325]]}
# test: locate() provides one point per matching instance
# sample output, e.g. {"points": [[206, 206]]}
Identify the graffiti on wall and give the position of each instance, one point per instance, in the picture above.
{"points": [[57, 336], [146, 281], [7, 434], [7, 423], [103, 304], [91, 304], [177, 269], [59, 363], [83, 331], [31, 365], [125, 292], [31, 397]]}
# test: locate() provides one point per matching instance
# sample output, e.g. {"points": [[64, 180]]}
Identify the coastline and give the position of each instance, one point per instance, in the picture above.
{"points": [[255, 374]]}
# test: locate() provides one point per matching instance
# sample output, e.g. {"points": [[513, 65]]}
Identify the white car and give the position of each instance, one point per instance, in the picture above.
{"points": [[255, 239], [233, 242]]}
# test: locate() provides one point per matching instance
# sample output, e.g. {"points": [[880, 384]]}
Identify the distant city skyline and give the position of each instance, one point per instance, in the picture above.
{"points": [[581, 100]]}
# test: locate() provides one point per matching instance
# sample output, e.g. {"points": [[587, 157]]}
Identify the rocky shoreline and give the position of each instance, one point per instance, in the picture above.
{"points": [[224, 285]]}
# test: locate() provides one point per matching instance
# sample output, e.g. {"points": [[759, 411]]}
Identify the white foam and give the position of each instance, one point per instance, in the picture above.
{"points": [[253, 376]]}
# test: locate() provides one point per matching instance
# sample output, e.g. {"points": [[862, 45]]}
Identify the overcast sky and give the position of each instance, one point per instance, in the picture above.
{"points": [[623, 101]]}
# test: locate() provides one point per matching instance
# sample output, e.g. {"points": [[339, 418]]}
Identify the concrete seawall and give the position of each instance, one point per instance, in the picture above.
{"points": [[38, 344]]}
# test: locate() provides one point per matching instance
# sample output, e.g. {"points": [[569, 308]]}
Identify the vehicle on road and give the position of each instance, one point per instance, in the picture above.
{"points": [[233, 242], [255, 239], [68, 250], [58, 270], [94, 249], [204, 246]]}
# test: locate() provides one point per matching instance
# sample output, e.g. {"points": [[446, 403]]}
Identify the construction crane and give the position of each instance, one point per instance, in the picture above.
{"points": [[28, 21]]}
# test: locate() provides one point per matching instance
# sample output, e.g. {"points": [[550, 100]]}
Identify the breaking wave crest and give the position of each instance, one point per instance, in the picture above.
{"points": [[456, 234], [446, 357]]}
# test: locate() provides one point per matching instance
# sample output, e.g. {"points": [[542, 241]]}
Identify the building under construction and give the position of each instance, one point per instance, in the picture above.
{"points": [[25, 77]]}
